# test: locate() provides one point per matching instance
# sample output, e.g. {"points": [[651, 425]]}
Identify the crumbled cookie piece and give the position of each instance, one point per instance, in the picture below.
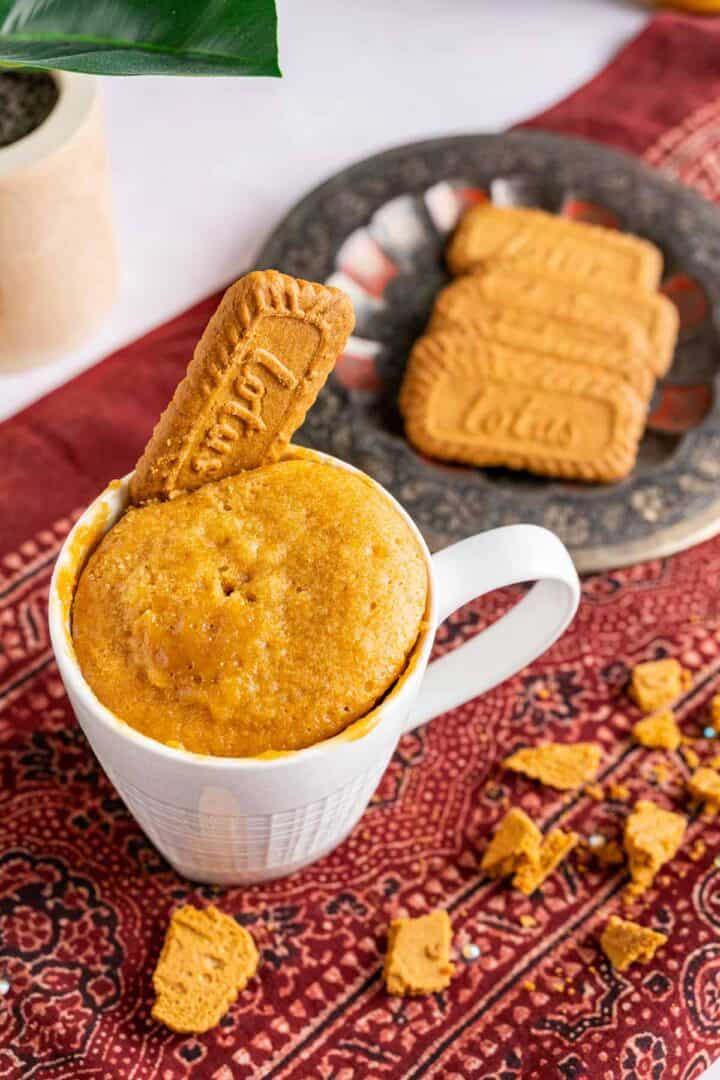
{"points": [[560, 765], [697, 851], [657, 683], [715, 712], [527, 921], [529, 985], [691, 756], [595, 792], [704, 785], [207, 958], [610, 854], [652, 836], [619, 792], [659, 731], [418, 955], [556, 845], [661, 771], [624, 942], [516, 839]]}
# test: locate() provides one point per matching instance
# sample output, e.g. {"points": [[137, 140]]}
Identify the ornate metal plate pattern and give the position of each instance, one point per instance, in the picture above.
{"points": [[379, 229]]}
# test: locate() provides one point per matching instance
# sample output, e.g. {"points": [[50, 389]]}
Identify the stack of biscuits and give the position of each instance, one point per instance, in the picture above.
{"points": [[543, 353]]}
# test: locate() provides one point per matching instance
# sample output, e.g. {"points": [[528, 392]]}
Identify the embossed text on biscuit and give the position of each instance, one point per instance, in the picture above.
{"points": [[241, 413], [490, 415]]}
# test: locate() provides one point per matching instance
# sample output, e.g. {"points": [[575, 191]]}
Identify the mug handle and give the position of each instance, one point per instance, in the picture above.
{"points": [[478, 565]]}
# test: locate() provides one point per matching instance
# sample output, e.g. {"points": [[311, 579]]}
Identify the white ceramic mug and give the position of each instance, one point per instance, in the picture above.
{"points": [[240, 820]]}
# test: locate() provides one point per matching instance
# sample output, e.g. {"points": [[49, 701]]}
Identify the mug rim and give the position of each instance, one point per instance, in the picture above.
{"points": [[69, 667]]}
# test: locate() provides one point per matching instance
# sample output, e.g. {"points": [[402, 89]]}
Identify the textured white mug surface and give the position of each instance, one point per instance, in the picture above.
{"points": [[240, 820]]}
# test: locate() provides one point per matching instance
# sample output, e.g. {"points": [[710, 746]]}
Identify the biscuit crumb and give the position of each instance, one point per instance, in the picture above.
{"points": [[659, 731], [691, 757], [661, 771], [714, 762], [556, 845], [516, 838], [560, 765], [652, 837], [529, 985], [715, 712], [206, 959], [527, 921], [619, 792], [704, 785], [543, 693], [559, 986], [418, 955], [657, 683], [697, 851], [595, 792], [625, 942], [610, 854]]}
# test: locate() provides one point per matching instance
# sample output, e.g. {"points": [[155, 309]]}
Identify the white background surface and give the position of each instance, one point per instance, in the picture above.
{"points": [[202, 169]]}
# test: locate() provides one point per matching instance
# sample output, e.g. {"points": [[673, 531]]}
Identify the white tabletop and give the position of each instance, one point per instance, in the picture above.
{"points": [[203, 168]]}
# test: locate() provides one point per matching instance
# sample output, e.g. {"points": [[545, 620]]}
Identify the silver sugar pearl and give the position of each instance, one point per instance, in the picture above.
{"points": [[4, 986], [470, 951], [596, 840]]}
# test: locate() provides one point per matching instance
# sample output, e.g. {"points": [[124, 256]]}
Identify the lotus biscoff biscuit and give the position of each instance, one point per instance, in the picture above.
{"points": [[257, 369], [482, 403], [462, 306], [589, 253], [644, 325]]}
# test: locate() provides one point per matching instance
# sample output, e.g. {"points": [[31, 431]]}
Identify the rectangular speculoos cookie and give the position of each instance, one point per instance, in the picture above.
{"points": [[486, 404], [644, 324], [462, 306], [551, 244], [257, 369]]}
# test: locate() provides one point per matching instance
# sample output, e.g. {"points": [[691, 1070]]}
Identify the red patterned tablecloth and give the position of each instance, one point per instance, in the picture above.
{"points": [[84, 898]]}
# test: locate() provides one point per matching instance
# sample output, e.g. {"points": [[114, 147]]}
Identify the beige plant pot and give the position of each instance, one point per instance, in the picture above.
{"points": [[58, 264]]}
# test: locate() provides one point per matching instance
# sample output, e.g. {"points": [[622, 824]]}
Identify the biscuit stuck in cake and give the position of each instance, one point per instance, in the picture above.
{"points": [[257, 369]]}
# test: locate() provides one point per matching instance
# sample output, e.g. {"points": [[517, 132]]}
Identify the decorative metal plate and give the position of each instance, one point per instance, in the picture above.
{"points": [[379, 230]]}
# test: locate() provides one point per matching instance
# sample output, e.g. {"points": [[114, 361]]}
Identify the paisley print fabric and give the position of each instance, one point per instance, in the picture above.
{"points": [[84, 897]]}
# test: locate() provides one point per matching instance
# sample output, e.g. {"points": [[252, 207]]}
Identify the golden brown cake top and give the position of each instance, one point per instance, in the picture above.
{"points": [[265, 611]]}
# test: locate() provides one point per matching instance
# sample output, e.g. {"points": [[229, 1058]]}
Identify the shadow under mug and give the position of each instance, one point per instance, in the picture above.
{"points": [[241, 820]]}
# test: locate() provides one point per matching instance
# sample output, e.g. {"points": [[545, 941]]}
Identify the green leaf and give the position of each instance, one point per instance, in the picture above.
{"points": [[141, 37]]}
